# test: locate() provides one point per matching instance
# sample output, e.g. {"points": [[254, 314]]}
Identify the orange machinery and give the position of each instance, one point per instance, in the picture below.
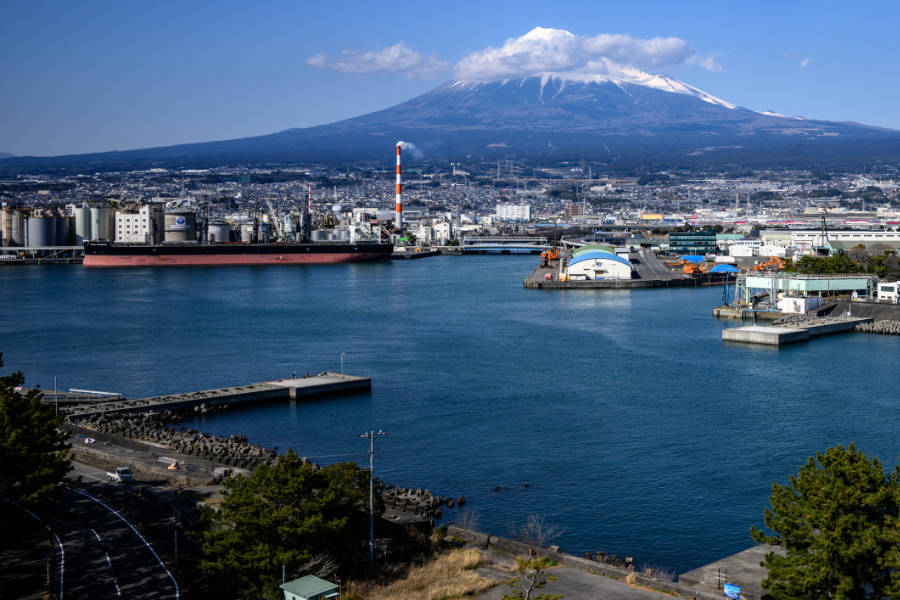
{"points": [[548, 255], [773, 264]]}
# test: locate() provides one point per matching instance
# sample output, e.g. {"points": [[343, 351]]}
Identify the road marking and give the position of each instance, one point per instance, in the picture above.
{"points": [[108, 562], [96, 535], [62, 552], [116, 583], [137, 533]]}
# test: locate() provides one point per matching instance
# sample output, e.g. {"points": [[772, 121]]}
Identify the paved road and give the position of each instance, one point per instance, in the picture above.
{"points": [[578, 585], [105, 555], [650, 267]]}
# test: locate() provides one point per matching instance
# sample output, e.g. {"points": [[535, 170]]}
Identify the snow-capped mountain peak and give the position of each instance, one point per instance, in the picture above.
{"points": [[609, 74]]}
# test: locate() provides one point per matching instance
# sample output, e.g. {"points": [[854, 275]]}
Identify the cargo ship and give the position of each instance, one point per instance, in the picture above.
{"points": [[107, 254]]}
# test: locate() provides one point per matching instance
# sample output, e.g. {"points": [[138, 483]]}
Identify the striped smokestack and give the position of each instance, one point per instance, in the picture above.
{"points": [[398, 217]]}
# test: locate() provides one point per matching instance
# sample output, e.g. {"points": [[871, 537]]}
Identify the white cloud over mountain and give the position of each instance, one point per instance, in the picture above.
{"points": [[393, 59], [540, 50]]}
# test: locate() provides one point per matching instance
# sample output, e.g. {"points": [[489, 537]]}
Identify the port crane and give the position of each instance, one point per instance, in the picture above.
{"points": [[276, 222]]}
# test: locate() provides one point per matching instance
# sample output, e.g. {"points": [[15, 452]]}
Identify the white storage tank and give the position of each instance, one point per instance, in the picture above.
{"points": [[103, 223], [217, 233], [82, 224], [181, 226]]}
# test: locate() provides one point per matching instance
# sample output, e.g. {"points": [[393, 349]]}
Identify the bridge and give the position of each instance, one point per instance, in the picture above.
{"points": [[503, 244]]}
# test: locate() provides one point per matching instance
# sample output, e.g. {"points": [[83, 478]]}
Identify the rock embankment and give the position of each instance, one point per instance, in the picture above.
{"points": [[154, 428], [419, 501], [883, 327]]}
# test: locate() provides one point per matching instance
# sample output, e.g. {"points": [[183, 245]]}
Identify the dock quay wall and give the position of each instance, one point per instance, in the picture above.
{"points": [[516, 548], [292, 389], [620, 283]]}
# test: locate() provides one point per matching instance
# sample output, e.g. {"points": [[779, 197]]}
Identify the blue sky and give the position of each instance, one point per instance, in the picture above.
{"points": [[97, 75]]}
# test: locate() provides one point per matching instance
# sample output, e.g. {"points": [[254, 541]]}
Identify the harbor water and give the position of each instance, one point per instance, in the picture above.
{"points": [[618, 415]]}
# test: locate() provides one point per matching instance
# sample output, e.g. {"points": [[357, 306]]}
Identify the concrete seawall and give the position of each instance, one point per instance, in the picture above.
{"points": [[777, 335]]}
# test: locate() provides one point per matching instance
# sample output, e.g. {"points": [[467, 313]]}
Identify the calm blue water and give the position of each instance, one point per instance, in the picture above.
{"points": [[636, 428]]}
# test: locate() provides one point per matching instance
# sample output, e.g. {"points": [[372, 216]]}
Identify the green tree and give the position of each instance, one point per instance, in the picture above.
{"points": [[837, 522], [33, 452], [289, 513], [532, 577]]}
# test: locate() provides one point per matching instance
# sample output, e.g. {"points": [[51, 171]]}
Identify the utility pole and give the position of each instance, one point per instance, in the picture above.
{"points": [[371, 436]]}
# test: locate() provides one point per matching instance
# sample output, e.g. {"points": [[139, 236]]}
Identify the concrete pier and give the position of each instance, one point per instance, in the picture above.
{"points": [[281, 389], [777, 335]]}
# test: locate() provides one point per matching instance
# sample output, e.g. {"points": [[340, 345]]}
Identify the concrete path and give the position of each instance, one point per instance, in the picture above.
{"points": [[578, 585]]}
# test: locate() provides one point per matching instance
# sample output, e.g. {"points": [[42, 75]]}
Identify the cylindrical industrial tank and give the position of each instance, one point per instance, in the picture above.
{"points": [[341, 235], [103, 224], [82, 224], [218, 233], [12, 226], [40, 231], [181, 226], [247, 233], [63, 229]]}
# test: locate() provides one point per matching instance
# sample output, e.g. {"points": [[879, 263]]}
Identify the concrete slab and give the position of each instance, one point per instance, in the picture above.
{"points": [[743, 569], [767, 335]]}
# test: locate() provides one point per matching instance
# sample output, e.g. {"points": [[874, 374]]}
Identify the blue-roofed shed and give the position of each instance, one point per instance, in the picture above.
{"points": [[310, 588], [724, 269], [694, 258]]}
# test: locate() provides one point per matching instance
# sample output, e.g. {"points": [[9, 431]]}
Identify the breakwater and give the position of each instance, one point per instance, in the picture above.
{"points": [[880, 327]]}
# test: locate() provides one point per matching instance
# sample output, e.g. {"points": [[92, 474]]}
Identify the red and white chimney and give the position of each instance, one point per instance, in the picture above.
{"points": [[398, 217]]}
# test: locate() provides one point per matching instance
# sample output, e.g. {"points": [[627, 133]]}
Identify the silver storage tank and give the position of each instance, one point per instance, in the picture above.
{"points": [[12, 226], [82, 224], [40, 231], [217, 233], [181, 226], [103, 224], [319, 235]]}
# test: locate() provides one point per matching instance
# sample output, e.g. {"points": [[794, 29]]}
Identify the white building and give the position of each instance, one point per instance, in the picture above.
{"points": [[513, 212], [598, 264], [142, 227], [808, 239], [889, 291]]}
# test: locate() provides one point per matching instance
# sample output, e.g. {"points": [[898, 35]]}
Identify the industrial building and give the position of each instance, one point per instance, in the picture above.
{"points": [[693, 242], [142, 227], [597, 262]]}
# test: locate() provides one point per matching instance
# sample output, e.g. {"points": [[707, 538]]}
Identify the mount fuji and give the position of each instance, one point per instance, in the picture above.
{"points": [[620, 116]]}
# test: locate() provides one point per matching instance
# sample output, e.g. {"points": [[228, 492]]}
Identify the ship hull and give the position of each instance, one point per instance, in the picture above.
{"points": [[113, 255]]}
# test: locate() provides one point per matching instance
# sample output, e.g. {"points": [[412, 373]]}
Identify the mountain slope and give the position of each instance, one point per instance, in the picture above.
{"points": [[617, 117]]}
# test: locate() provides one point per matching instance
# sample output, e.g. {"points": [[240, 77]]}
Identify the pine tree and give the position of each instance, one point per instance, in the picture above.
{"points": [[33, 452], [837, 521]]}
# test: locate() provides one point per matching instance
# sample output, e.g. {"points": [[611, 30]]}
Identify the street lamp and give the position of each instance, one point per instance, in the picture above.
{"points": [[343, 354]]}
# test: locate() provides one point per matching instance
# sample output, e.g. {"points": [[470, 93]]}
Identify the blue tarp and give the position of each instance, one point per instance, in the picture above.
{"points": [[692, 258], [724, 269]]}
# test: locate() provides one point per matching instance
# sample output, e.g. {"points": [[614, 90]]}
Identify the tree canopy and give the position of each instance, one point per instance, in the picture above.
{"points": [[289, 513], [837, 521], [33, 452]]}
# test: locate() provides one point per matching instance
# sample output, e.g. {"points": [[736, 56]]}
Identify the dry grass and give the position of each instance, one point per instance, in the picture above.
{"points": [[450, 575]]}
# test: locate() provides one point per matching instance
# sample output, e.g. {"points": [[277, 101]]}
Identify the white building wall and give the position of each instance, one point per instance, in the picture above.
{"points": [[601, 268], [513, 212]]}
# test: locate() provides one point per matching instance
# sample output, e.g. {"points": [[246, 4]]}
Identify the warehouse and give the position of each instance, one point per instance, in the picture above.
{"points": [[598, 264]]}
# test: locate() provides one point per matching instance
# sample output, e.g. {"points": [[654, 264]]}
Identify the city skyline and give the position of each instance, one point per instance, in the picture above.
{"points": [[114, 77]]}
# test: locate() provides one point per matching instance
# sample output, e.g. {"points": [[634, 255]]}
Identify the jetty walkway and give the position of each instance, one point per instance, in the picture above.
{"points": [[280, 389]]}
